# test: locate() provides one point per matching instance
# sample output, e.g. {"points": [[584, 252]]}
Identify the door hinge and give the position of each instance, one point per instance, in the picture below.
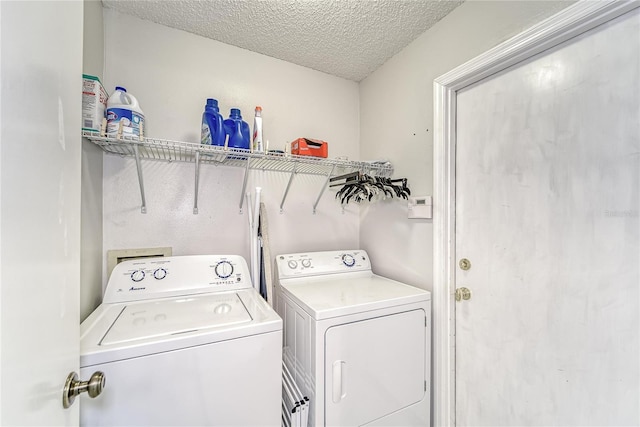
{"points": [[425, 322], [425, 385]]}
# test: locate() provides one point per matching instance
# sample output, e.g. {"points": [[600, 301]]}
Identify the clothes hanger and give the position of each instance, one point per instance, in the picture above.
{"points": [[359, 187]]}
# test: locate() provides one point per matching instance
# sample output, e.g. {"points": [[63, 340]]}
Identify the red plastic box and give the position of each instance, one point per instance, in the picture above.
{"points": [[310, 147]]}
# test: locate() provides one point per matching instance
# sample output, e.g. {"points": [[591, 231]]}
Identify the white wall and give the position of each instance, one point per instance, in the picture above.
{"points": [[91, 199], [396, 119], [172, 73]]}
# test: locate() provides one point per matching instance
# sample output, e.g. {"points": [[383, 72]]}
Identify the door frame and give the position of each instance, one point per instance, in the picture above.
{"points": [[568, 23]]}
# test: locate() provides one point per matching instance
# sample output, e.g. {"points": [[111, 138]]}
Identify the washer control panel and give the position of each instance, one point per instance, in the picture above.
{"points": [[328, 262], [148, 278]]}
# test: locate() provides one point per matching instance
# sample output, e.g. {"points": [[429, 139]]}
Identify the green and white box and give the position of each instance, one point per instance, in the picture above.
{"points": [[94, 103]]}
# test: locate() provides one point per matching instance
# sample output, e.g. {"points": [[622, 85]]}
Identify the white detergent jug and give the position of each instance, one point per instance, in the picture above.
{"points": [[122, 107]]}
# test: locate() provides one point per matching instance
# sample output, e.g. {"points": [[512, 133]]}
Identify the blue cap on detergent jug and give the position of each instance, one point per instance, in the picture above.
{"points": [[121, 88], [212, 102], [235, 112]]}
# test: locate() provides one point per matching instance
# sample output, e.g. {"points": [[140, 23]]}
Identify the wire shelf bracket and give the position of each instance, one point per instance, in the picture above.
{"points": [[244, 183], [197, 179], [286, 191], [324, 187], [143, 207]]}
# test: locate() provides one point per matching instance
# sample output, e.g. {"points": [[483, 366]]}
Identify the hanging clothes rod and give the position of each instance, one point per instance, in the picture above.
{"points": [[347, 176]]}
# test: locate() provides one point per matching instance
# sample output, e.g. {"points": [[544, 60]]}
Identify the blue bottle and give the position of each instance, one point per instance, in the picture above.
{"points": [[212, 131], [238, 130]]}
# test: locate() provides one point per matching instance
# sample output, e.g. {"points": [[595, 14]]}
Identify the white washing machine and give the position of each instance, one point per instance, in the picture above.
{"points": [[357, 343], [183, 341]]}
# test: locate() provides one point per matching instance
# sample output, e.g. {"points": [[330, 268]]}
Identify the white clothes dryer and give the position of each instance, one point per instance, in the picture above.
{"points": [[183, 341], [358, 344]]}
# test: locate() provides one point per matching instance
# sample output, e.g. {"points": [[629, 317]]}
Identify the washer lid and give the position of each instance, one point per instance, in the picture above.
{"points": [[342, 294], [112, 333], [176, 316]]}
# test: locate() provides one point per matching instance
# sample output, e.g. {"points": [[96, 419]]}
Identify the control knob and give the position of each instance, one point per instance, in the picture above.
{"points": [[224, 269], [306, 263], [293, 264], [137, 275], [348, 260], [160, 273]]}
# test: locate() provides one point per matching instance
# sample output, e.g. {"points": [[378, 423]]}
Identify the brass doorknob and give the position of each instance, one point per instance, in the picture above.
{"points": [[463, 294], [73, 387]]}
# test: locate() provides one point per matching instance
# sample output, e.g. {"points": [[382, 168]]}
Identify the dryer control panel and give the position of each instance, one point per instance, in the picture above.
{"points": [[317, 263], [149, 278]]}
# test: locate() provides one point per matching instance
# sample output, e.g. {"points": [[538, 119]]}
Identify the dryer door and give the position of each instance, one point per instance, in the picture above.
{"points": [[374, 367]]}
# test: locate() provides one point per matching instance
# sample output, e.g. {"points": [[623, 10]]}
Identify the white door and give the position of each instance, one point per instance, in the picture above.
{"points": [[548, 214], [40, 75], [369, 375]]}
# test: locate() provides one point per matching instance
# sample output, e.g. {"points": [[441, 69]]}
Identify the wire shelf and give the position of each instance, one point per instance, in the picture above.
{"points": [[178, 151], [167, 150]]}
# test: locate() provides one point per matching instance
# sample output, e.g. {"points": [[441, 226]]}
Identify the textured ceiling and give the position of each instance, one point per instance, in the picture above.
{"points": [[346, 38]]}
